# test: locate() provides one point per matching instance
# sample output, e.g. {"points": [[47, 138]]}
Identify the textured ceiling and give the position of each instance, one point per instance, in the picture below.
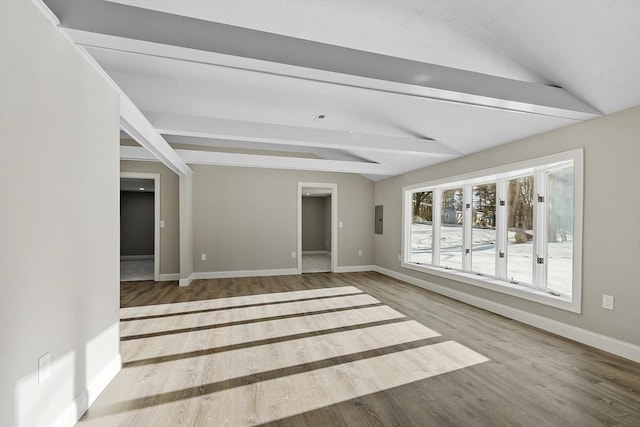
{"points": [[453, 77]]}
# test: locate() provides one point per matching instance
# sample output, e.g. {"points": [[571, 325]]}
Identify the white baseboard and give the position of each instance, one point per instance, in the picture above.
{"points": [[168, 277], [186, 281], [135, 257], [593, 339], [316, 253], [70, 416], [355, 268], [244, 273]]}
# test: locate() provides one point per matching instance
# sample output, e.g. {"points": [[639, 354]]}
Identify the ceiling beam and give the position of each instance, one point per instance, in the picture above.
{"points": [[260, 161], [235, 130], [138, 30]]}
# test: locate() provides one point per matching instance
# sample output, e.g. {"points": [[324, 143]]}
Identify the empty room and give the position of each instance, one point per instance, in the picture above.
{"points": [[320, 213]]}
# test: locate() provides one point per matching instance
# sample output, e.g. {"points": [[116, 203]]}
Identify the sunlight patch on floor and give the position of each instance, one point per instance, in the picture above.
{"points": [[217, 303], [229, 315], [165, 345]]}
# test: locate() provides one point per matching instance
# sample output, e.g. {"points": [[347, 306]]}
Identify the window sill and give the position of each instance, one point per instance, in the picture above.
{"points": [[562, 302]]}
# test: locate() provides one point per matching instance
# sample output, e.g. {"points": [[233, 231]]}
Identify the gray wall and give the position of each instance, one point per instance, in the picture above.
{"points": [[246, 219], [59, 189], [327, 221], [169, 212], [611, 241], [313, 225], [137, 218]]}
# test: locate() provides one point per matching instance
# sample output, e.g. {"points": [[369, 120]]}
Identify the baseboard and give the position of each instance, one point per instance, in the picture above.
{"points": [[168, 277], [355, 268], [316, 253], [135, 257], [186, 281], [593, 339], [244, 273], [79, 406]]}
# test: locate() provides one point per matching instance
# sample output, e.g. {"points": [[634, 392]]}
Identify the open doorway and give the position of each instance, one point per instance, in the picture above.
{"points": [[317, 231], [139, 226]]}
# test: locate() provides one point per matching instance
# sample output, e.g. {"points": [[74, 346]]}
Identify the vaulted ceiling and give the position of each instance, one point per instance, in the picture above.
{"points": [[371, 87]]}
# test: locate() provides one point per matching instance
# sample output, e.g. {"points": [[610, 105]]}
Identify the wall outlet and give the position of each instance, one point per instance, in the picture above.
{"points": [[161, 224], [293, 254], [44, 368], [607, 301], [399, 257], [203, 257], [340, 224], [359, 252]]}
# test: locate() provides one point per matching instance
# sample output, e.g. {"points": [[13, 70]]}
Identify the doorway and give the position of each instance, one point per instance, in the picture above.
{"points": [[317, 227], [139, 226]]}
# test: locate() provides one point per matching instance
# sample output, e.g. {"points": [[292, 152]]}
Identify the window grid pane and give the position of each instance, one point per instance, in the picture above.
{"points": [[559, 217], [520, 230], [451, 228], [422, 227], [483, 234]]}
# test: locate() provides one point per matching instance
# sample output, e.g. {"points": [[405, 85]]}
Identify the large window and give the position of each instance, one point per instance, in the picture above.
{"points": [[513, 229]]}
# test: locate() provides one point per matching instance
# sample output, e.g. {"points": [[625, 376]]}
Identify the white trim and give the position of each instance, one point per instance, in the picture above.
{"points": [[355, 268], [156, 216], [497, 285], [135, 257], [187, 281], [316, 253], [593, 339], [334, 221], [244, 273], [168, 277], [74, 411]]}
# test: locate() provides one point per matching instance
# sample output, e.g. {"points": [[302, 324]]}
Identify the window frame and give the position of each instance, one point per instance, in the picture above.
{"points": [[536, 291]]}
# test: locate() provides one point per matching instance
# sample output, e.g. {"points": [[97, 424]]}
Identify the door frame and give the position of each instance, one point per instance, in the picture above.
{"points": [[334, 221], [156, 216]]}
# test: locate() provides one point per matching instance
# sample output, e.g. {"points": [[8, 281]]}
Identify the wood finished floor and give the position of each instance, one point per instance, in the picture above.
{"points": [[357, 349]]}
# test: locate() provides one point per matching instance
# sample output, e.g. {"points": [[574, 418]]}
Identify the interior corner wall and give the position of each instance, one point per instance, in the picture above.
{"points": [[169, 212], [313, 225], [246, 218], [59, 226], [611, 230]]}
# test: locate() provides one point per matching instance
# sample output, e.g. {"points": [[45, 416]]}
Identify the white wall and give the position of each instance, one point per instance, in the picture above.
{"points": [[59, 187], [611, 230]]}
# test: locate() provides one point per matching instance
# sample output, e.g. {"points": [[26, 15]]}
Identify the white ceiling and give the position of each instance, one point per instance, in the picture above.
{"points": [[402, 84]]}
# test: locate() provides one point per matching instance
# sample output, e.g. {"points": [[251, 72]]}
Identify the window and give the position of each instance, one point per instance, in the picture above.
{"points": [[513, 229]]}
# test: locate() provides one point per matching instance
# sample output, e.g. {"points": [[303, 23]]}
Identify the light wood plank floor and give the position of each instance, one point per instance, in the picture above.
{"points": [[357, 349]]}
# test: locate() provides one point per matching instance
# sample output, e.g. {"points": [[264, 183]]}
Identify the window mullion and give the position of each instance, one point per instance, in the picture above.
{"points": [[466, 228], [501, 228], [540, 231], [437, 214]]}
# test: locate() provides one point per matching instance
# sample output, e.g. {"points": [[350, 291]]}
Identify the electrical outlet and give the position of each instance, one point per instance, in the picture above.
{"points": [[399, 257], [203, 257], [340, 225], [293, 254], [161, 224], [359, 252], [607, 301], [44, 368]]}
